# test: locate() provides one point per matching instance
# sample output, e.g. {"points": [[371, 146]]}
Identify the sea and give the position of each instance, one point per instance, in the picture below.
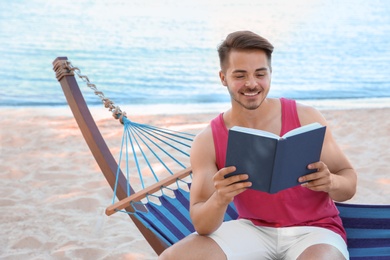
{"points": [[161, 55]]}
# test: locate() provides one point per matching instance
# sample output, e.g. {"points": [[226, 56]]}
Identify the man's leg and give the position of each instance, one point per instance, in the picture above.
{"points": [[313, 243], [194, 247], [236, 239], [321, 251]]}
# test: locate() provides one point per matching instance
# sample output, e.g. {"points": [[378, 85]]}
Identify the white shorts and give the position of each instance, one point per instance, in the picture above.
{"points": [[240, 239]]}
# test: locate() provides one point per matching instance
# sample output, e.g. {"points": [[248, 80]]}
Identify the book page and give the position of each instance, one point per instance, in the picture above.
{"points": [[254, 132], [302, 129]]}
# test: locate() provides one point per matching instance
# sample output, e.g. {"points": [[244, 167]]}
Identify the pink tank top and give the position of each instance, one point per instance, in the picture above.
{"points": [[297, 206]]}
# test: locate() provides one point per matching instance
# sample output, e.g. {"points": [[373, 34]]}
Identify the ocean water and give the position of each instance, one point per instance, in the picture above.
{"points": [[163, 52]]}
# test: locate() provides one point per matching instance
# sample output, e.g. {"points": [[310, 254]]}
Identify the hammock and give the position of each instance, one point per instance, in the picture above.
{"points": [[161, 210]]}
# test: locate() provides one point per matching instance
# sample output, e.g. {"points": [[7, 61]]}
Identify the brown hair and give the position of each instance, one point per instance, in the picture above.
{"points": [[243, 40]]}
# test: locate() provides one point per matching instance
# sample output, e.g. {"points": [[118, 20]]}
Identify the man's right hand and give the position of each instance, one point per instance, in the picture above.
{"points": [[227, 188]]}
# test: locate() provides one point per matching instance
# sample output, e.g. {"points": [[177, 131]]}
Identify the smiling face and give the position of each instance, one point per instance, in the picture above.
{"points": [[247, 78]]}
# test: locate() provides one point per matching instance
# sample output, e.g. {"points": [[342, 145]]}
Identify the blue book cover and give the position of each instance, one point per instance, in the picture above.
{"points": [[274, 163]]}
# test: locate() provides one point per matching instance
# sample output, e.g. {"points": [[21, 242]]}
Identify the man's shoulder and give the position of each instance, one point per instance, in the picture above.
{"points": [[308, 114], [204, 135]]}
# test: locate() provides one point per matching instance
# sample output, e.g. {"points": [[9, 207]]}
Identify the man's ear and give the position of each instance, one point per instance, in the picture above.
{"points": [[223, 78]]}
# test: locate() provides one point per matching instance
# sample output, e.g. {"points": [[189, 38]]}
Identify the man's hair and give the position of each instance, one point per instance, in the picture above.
{"points": [[243, 41]]}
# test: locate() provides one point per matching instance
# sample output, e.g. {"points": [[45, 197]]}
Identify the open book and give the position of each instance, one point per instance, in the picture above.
{"points": [[274, 163]]}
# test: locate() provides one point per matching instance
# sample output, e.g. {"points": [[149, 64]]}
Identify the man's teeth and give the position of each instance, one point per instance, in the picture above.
{"points": [[250, 94]]}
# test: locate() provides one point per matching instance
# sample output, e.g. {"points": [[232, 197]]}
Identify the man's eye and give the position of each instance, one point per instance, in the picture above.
{"points": [[239, 76], [260, 75]]}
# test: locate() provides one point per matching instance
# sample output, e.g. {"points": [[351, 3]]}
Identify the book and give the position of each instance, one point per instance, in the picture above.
{"points": [[274, 163]]}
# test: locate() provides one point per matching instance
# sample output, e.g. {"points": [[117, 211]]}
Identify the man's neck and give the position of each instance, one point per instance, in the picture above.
{"points": [[261, 118]]}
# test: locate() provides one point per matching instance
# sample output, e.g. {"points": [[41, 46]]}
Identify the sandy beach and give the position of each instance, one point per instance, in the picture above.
{"points": [[53, 195]]}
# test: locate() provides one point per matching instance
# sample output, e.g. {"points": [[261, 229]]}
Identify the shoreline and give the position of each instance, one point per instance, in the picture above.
{"points": [[54, 194], [200, 108]]}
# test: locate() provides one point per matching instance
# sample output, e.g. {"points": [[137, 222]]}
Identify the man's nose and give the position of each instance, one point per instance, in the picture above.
{"points": [[251, 83]]}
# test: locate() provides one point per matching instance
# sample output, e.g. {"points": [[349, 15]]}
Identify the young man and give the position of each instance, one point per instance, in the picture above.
{"points": [[297, 223]]}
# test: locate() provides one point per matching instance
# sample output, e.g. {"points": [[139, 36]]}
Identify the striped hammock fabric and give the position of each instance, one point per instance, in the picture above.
{"points": [[368, 230]]}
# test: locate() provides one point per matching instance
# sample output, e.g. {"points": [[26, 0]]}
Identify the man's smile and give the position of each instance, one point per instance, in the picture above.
{"points": [[251, 94]]}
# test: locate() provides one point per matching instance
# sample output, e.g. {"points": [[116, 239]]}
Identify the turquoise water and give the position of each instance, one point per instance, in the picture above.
{"points": [[164, 52]]}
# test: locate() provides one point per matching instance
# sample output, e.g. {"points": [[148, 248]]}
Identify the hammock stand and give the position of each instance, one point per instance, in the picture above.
{"points": [[367, 226]]}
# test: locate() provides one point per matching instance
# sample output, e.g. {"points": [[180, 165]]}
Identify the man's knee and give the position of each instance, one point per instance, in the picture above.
{"points": [[166, 255], [194, 247], [321, 251]]}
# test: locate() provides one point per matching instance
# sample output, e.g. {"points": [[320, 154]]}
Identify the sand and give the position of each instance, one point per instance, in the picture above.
{"points": [[52, 194]]}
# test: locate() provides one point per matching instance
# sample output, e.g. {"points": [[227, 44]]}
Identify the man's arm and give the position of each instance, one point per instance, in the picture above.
{"points": [[335, 174], [210, 192]]}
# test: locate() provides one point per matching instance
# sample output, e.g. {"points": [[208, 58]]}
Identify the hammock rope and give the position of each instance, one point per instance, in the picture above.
{"points": [[144, 142], [65, 67]]}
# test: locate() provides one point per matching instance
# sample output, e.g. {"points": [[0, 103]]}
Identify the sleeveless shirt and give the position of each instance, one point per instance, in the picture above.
{"points": [[296, 206]]}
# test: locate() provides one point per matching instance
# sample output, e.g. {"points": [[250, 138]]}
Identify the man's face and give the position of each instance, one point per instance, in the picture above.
{"points": [[247, 77]]}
